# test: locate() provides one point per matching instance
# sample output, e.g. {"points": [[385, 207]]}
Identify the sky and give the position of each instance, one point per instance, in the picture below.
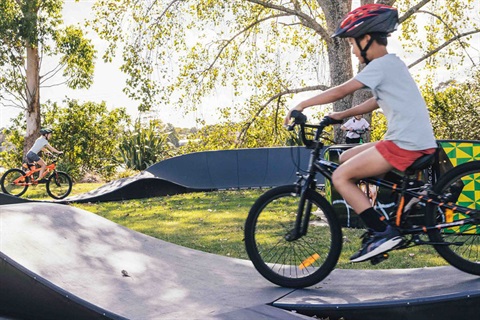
{"points": [[109, 80]]}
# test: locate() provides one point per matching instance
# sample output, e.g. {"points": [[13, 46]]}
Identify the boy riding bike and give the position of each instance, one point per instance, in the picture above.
{"points": [[41, 144], [409, 134]]}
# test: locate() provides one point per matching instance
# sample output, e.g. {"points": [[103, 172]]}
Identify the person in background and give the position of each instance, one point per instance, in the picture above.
{"points": [[352, 125]]}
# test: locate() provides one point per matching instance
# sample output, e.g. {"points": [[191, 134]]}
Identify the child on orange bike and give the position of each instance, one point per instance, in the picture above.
{"points": [[41, 144], [409, 134]]}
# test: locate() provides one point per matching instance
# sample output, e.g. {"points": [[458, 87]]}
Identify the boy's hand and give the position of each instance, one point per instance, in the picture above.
{"points": [[336, 115], [288, 117]]}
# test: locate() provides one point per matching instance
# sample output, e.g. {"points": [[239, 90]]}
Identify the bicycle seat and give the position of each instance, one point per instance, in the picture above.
{"points": [[421, 163], [29, 165]]}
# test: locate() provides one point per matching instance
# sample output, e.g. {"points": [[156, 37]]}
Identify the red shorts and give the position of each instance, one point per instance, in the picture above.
{"points": [[399, 158]]}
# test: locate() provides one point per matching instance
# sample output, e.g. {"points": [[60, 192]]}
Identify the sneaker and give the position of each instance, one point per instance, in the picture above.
{"points": [[379, 242], [42, 181]]}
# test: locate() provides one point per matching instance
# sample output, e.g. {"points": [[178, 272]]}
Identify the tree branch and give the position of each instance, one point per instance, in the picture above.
{"points": [[307, 20], [275, 97], [432, 52], [227, 42], [412, 10], [449, 29]]}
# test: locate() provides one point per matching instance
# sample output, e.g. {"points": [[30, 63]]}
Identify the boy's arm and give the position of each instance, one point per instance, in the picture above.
{"points": [[53, 149], [362, 108], [328, 96]]}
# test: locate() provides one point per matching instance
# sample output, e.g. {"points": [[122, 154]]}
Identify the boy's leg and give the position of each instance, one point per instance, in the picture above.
{"points": [[364, 162], [347, 154], [43, 166], [359, 162]]}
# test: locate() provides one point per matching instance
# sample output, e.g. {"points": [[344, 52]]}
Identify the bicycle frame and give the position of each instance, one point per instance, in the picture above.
{"points": [[50, 168], [318, 165]]}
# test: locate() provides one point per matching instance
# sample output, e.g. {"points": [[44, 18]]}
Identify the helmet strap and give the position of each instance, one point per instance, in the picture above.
{"points": [[363, 51]]}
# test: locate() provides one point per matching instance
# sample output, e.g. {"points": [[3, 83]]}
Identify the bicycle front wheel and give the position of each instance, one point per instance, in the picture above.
{"points": [[59, 185], [14, 182], [292, 263], [459, 246]]}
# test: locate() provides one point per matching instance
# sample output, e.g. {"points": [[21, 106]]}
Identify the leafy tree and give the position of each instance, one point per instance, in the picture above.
{"points": [[264, 51], [29, 31], [145, 145], [88, 133], [225, 135], [455, 109]]}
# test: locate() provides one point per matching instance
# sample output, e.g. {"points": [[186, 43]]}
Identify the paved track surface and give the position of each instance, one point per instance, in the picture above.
{"points": [[61, 262]]}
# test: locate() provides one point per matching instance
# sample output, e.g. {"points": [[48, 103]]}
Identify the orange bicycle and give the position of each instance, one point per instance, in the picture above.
{"points": [[16, 182]]}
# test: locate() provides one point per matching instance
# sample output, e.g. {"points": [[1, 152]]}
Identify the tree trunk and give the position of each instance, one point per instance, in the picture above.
{"points": [[339, 55], [33, 98]]}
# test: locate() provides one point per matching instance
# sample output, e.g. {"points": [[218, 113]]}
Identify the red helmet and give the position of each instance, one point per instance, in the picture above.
{"points": [[370, 18]]}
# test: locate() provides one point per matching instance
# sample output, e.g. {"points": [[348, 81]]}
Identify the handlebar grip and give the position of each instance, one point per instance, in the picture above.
{"points": [[326, 121], [299, 117]]}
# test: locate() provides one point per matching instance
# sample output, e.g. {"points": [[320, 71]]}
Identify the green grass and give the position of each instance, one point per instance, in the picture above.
{"points": [[213, 222], [39, 192]]}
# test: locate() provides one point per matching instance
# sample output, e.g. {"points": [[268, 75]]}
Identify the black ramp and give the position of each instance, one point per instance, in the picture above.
{"points": [[222, 167], [207, 171], [187, 170], [143, 185], [440, 293], [239, 168], [252, 167], [283, 164], [60, 262], [8, 199], [77, 258]]}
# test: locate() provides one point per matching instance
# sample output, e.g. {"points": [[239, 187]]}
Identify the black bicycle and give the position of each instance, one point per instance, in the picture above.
{"points": [[294, 238]]}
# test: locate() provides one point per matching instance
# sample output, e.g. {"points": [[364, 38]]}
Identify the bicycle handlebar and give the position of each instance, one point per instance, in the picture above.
{"points": [[360, 131], [301, 120]]}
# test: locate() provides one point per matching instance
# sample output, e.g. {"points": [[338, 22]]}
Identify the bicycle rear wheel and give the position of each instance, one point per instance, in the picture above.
{"points": [[459, 186], [14, 182], [59, 185], [299, 263]]}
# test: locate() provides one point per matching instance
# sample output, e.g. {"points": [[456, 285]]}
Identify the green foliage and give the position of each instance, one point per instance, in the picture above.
{"points": [[88, 133], [77, 57], [379, 126], [12, 156], [260, 52], [455, 109], [267, 131], [144, 146], [442, 23], [29, 31]]}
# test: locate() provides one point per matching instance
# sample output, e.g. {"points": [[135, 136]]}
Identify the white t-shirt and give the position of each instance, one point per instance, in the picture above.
{"points": [[398, 96], [355, 124], [39, 144]]}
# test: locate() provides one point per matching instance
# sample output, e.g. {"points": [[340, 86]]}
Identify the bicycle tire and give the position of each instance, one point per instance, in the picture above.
{"points": [[59, 185], [299, 263], [9, 187], [458, 185]]}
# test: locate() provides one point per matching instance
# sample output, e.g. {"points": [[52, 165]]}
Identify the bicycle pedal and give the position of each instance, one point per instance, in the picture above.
{"points": [[379, 258]]}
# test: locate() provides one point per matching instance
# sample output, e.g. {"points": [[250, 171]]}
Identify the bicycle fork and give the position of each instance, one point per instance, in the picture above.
{"points": [[304, 211]]}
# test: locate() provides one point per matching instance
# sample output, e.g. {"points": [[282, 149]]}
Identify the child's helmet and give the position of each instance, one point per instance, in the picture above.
{"points": [[44, 131], [369, 18]]}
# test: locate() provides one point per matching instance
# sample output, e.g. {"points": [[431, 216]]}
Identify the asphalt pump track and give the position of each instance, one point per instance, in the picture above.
{"points": [[60, 262]]}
